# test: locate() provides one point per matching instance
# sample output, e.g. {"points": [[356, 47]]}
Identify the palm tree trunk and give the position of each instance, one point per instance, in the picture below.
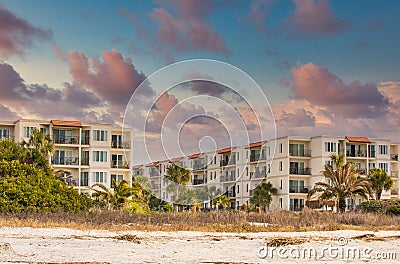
{"points": [[378, 195], [342, 205]]}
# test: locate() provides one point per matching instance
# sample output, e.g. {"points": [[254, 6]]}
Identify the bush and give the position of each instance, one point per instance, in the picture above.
{"points": [[136, 207], [381, 206], [27, 188]]}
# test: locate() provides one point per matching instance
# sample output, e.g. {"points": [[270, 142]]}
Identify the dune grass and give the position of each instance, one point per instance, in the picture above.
{"points": [[222, 221]]}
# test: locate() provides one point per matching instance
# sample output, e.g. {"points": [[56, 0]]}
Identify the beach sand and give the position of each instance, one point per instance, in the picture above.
{"points": [[64, 245]]}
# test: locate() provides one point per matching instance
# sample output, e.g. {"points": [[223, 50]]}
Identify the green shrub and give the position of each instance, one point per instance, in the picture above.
{"points": [[136, 207], [381, 206], [27, 188]]}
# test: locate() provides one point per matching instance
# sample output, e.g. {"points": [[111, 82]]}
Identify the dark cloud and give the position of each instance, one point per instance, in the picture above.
{"points": [[300, 118], [17, 34]]}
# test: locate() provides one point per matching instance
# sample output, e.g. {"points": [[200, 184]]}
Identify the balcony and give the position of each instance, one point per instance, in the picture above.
{"points": [[198, 181], [6, 137], [65, 161], [394, 157], [258, 174], [296, 207], [372, 154], [119, 164], [85, 141], [357, 153], [66, 140], [155, 186], [154, 173], [394, 174], [230, 193], [227, 178], [224, 163], [300, 171], [394, 191], [300, 153], [199, 166], [121, 144], [299, 189], [254, 158]]}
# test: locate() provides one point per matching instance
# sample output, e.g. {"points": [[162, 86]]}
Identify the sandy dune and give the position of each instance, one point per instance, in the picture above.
{"points": [[25, 245]]}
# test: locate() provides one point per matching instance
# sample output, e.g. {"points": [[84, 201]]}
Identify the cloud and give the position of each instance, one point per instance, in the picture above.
{"points": [[203, 84], [181, 26], [59, 52], [7, 114], [17, 34], [319, 86], [258, 13], [315, 17], [113, 78], [300, 118]]}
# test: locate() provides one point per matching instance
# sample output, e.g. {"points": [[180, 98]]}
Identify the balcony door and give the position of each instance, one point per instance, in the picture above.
{"points": [[296, 167], [117, 161], [63, 157], [116, 141]]}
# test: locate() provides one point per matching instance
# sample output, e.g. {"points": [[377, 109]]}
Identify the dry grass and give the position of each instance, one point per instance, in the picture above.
{"points": [[227, 221]]}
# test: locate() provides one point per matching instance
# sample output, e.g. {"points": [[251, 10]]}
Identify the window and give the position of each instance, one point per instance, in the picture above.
{"points": [[280, 184], [43, 131], [84, 178], [247, 154], [280, 203], [247, 187], [100, 156], [28, 131], [383, 166], [371, 165], [383, 149], [117, 178], [330, 147], [238, 188], [247, 171], [238, 156], [100, 135], [280, 166], [280, 148], [269, 151], [4, 133], [99, 176]]}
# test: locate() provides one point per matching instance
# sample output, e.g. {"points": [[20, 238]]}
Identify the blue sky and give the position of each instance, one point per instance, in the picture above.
{"points": [[343, 47]]}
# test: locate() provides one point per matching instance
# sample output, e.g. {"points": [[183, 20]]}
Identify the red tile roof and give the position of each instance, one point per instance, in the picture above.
{"points": [[176, 159], [255, 144], [195, 156], [358, 139], [68, 123], [225, 150], [136, 167]]}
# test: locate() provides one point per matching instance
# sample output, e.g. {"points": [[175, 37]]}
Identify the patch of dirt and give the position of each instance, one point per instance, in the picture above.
{"points": [[127, 237]]}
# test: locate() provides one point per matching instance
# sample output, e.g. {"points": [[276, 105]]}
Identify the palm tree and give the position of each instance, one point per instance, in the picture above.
{"points": [[117, 197], [380, 181], [178, 176], [207, 193], [344, 182], [262, 195], [40, 142], [221, 200]]}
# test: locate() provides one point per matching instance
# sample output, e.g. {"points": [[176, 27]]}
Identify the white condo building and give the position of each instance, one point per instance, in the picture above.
{"points": [[292, 164], [89, 153]]}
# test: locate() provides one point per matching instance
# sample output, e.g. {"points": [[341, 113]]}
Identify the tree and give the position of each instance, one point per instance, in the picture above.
{"points": [[343, 182], [208, 193], [40, 142], [115, 198], [221, 200], [262, 195], [380, 181], [178, 176]]}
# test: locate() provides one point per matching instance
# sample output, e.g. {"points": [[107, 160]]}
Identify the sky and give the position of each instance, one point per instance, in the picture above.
{"points": [[325, 67]]}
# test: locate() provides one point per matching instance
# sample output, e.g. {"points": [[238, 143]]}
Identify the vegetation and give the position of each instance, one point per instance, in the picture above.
{"points": [[343, 182], [115, 198], [178, 176], [380, 181], [391, 207], [262, 195], [221, 201]]}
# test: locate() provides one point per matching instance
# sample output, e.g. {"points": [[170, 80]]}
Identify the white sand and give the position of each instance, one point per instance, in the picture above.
{"points": [[68, 245]]}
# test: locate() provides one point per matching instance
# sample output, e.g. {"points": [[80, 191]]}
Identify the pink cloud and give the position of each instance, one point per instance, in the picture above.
{"points": [[113, 78], [17, 34], [319, 86], [316, 17], [59, 52], [258, 13]]}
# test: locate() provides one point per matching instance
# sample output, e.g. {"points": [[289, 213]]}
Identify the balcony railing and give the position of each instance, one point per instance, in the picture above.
{"points": [[299, 189], [198, 181], [300, 171], [154, 173], [357, 153], [394, 174], [257, 174], [65, 161], [227, 178], [300, 153], [254, 158], [121, 144], [199, 166], [85, 140], [394, 157], [118, 164], [6, 137], [227, 163], [372, 154], [66, 140]]}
